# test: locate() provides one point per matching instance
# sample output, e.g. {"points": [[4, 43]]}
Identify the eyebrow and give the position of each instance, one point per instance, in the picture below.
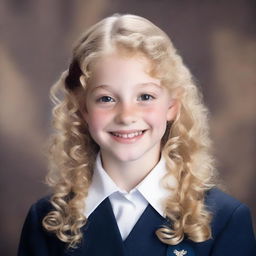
{"points": [[150, 84], [147, 84]]}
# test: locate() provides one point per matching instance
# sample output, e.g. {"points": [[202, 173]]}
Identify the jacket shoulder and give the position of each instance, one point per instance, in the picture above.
{"points": [[222, 207], [217, 200], [34, 239], [41, 207]]}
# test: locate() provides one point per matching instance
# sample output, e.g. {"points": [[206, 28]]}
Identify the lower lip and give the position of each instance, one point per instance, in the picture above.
{"points": [[127, 140]]}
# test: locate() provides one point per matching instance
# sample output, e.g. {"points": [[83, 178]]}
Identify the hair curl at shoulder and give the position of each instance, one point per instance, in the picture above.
{"points": [[186, 145]]}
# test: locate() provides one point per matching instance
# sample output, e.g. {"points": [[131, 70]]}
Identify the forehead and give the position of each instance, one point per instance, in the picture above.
{"points": [[116, 68]]}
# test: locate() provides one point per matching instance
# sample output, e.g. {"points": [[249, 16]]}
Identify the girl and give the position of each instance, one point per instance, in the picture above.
{"points": [[130, 165]]}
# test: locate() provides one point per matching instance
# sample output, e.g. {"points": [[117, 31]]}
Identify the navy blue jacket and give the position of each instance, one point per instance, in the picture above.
{"points": [[231, 229]]}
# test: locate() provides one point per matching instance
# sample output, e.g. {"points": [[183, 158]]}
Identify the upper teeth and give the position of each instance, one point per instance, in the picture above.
{"points": [[127, 135]]}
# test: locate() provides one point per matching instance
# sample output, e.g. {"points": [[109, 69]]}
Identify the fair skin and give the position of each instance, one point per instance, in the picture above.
{"points": [[126, 112]]}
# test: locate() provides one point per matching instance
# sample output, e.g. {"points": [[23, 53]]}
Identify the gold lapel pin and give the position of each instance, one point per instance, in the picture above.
{"points": [[179, 253]]}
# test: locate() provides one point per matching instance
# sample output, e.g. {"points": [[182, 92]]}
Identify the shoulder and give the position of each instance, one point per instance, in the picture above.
{"points": [[34, 239], [232, 229], [217, 200], [226, 211], [32, 227], [40, 208], [43, 202]]}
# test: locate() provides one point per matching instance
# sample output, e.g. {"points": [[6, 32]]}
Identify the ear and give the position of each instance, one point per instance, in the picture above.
{"points": [[85, 115], [82, 80], [83, 111], [173, 110], [175, 103]]}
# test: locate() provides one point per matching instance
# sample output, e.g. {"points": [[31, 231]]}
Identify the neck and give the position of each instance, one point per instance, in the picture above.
{"points": [[129, 174]]}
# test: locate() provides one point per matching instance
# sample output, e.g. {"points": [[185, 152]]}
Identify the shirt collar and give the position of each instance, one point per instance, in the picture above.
{"points": [[101, 187], [150, 187]]}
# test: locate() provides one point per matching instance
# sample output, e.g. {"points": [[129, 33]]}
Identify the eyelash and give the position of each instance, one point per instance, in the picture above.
{"points": [[148, 96], [103, 99]]}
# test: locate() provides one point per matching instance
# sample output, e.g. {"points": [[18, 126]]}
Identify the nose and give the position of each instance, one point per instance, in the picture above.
{"points": [[126, 114]]}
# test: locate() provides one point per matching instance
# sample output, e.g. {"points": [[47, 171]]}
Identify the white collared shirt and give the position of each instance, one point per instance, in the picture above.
{"points": [[127, 206]]}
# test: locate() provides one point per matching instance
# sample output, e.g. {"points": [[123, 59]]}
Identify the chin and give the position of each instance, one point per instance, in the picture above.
{"points": [[128, 157]]}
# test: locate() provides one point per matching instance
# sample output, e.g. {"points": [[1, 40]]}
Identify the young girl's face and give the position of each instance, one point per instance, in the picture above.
{"points": [[127, 109]]}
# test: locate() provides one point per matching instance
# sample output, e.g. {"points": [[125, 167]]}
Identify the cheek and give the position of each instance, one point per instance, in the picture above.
{"points": [[96, 119], [156, 116]]}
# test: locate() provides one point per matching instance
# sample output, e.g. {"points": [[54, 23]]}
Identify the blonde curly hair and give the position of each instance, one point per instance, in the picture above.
{"points": [[185, 145]]}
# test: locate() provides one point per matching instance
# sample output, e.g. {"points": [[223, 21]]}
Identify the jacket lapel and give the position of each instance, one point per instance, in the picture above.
{"points": [[101, 234], [142, 240]]}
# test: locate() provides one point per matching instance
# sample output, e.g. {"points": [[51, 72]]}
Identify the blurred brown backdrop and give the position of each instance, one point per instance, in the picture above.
{"points": [[217, 40]]}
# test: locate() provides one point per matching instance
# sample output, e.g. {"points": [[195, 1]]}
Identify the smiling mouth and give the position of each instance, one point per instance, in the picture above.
{"points": [[128, 135]]}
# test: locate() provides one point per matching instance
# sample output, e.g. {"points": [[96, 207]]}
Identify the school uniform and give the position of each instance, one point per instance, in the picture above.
{"points": [[124, 224]]}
